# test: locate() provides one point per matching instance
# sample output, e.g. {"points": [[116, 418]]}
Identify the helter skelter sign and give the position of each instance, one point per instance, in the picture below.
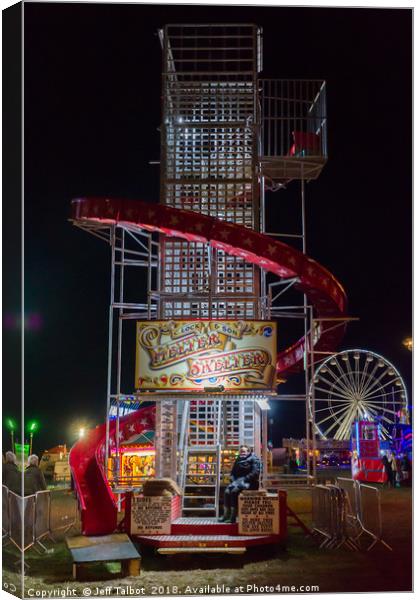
{"points": [[194, 355]]}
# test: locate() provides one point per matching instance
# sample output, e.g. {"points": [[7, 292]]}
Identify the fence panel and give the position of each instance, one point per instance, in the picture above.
{"points": [[321, 510], [370, 514], [351, 489], [330, 517], [22, 520], [63, 511], [42, 514], [5, 522], [370, 510]]}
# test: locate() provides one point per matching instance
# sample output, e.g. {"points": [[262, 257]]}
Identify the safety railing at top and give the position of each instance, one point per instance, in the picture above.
{"points": [[346, 513]]}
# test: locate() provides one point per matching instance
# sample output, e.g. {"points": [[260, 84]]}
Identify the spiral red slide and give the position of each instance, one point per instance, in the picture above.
{"points": [[97, 503], [323, 291]]}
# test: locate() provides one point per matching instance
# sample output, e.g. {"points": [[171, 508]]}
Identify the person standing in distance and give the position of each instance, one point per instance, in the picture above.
{"points": [[34, 478]]}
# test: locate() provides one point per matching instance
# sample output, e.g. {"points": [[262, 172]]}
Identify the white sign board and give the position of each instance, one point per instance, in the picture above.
{"points": [[258, 514], [151, 515]]}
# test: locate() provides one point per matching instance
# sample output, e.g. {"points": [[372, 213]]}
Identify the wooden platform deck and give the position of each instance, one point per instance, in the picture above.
{"points": [[202, 543], [201, 534]]}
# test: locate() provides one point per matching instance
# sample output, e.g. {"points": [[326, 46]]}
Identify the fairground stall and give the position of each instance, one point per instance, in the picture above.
{"points": [[199, 284]]}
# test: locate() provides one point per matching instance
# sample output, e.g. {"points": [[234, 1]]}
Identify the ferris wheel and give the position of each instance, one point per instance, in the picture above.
{"points": [[356, 385]]}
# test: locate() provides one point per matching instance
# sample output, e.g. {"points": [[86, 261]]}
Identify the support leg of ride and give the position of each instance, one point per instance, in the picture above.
{"points": [[131, 568]]}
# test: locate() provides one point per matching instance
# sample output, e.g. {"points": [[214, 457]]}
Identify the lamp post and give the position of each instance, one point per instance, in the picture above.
{"points": [[33, 426], [11, 426]]}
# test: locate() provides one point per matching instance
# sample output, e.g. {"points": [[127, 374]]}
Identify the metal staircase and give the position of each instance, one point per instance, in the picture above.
{"points": [[202, 473], [200, 457]]}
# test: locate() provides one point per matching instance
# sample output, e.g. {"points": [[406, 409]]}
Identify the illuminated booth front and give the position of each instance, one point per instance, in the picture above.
{"points": [[135, 460]]}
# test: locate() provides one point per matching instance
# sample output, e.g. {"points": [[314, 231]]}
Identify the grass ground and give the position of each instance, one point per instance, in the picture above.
{"points": [[302, 563]]}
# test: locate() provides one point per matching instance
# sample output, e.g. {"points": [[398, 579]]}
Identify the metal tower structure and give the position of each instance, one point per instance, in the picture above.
{"points": [[209, 158], [228, 138]]}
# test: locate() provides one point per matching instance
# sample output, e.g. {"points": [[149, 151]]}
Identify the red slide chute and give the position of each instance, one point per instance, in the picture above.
{"points": [[323, 290], [97, 504]]}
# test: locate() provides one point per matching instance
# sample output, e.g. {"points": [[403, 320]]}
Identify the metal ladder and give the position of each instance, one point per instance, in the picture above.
{"points": [[200, 469], [201, 486]]}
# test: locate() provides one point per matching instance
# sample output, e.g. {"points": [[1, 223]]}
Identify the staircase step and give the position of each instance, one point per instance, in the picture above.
{"points": [[196, 508], [200, 485], [192, 497]]}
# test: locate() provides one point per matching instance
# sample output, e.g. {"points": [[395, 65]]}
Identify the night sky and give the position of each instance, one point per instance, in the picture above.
{"points": [[92, 109]]}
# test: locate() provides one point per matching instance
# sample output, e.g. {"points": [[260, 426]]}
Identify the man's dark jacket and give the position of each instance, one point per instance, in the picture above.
{"points": [[12, 478], [34, 480], [248, 469]]}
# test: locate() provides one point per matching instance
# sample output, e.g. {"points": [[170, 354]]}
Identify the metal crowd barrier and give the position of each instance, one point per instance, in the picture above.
{"points": [[28, 520], [22, 520], [353, 523], [5, 522], [370, 514], [64, 514], [321, 518], [329, 516], [42, 519], [343, 513]]}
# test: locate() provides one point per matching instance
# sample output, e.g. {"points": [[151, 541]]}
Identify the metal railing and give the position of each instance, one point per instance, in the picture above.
{"points": [[293, 117], [28, 520], [343, 513]]}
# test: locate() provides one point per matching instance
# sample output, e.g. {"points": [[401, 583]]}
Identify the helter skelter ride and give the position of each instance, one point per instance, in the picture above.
{"points": [[199, 283]]}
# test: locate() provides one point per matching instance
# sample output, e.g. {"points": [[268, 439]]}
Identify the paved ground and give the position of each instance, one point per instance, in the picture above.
{"points": [[301, 564]]}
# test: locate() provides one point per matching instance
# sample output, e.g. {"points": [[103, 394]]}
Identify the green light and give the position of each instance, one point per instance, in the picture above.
{"points": [[33, 426], [11, 424]]}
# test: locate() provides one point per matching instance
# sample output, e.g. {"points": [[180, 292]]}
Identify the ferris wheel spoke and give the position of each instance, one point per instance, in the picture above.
{"points": [[327, 408], [332, 415], [329, 429], [387, 420], [342, 393], [370, 377], [366, 395], [336, 397], [335, 383], [347, 422], [345, 427], [364, 374], [368, 410], [384, 395], [350, 372], [378, 406], [370, 386], [344, 377]]}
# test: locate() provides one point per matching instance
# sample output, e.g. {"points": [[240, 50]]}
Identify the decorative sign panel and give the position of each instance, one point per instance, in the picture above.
{"points": [[151, 515], [211, 355], [258, 514]]}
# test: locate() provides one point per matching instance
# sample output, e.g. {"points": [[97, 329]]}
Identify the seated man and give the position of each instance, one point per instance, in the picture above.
{"points": [[244, 476]]}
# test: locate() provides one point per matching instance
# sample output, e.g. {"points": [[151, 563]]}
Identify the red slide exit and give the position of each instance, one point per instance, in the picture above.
{"points": [[97, 503]]}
